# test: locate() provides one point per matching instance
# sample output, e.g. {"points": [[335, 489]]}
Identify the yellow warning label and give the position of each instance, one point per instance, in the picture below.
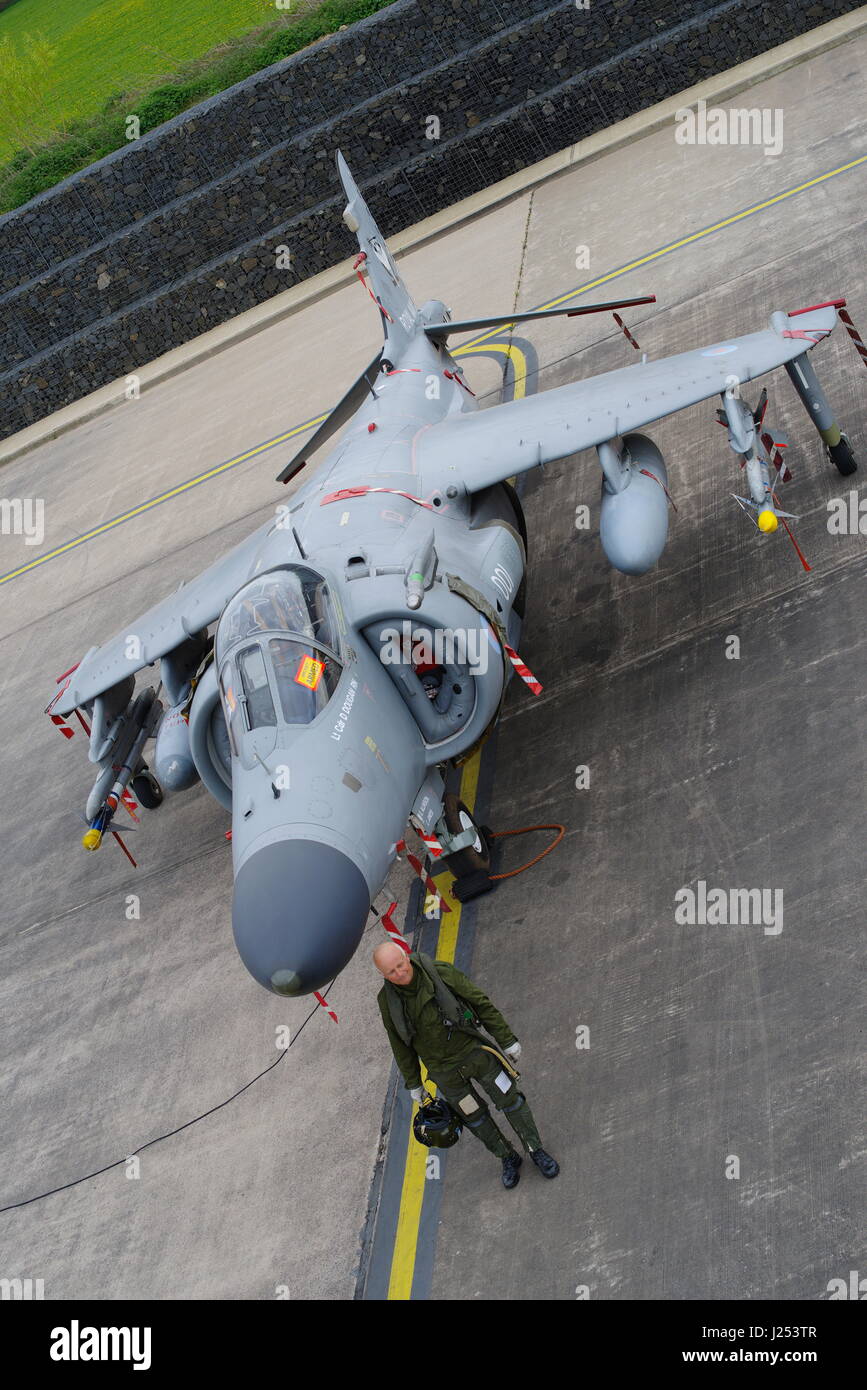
{"points": [[309, 672]]}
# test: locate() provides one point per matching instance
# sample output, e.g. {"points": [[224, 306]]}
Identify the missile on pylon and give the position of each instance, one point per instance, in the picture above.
{"points": [[121, 765]]}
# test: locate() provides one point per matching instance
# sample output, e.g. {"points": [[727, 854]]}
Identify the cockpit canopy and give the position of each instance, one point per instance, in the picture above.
{"points": [[293, 600], [277, 649]]}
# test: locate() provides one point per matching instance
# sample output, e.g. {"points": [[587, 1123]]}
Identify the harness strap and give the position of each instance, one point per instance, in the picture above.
{"points": [[450, 1006]]}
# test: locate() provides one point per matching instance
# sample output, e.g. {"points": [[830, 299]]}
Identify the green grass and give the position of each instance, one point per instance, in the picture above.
{"points": [[72, 71], [107, 46]]}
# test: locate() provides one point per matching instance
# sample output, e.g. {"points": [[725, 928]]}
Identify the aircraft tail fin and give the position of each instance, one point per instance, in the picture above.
{"points": [[399, 313]]}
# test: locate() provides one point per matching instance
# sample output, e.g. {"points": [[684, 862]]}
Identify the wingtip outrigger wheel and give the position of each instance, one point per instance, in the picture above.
{"points": [[803, 377], [842, 455]]}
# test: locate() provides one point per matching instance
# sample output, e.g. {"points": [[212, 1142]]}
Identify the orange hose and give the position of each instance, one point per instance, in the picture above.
{"points": [[526, 830]]}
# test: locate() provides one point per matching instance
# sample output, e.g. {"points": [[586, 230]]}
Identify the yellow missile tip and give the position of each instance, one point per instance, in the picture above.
{"points": [[767, 522], [92, 840]]}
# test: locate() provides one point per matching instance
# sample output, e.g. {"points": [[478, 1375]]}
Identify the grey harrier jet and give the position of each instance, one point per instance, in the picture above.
{"points": [[321, 678]]}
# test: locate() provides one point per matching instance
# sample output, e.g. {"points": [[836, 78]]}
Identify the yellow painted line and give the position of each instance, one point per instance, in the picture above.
{"points": [[412, 1192], [518, 357], [163, 497], [447, 942], [686, 241], [409, 1218]]}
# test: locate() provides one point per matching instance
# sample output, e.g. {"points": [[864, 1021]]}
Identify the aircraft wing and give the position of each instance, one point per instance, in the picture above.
{"points": [[162, 628], [491, 445]]}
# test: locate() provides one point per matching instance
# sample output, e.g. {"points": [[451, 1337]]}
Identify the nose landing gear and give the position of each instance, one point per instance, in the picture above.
{"points": [[470, 864]]}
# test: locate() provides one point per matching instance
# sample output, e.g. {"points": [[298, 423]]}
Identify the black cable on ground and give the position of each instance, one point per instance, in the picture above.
{"points": [[13, 1206]]}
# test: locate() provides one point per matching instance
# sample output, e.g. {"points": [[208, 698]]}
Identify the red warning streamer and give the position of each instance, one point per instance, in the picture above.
{"points": [[523, 671], [456, 376], [776, 457], [619, 321], [57, 719], [434, 848], [810, 335], [330, 1012], [647, 473], [425, 878], [356, 266], [826, 304], [119, 839], [854, 335], [798, 549], [388, 923], [345, 493]]}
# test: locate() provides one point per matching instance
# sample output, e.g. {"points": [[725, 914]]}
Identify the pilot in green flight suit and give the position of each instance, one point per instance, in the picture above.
{"points": [[432, 1012]]}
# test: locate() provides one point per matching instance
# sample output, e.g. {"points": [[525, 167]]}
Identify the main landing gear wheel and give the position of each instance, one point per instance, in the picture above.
{"points": [[476, 858], [147, 790]]}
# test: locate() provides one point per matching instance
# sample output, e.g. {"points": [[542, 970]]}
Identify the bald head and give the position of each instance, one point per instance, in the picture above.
{"points": [[393, 962]]}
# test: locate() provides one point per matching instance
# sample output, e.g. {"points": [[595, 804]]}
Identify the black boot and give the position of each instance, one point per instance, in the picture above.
{"points": [[548, 1166], [511, 1164]]}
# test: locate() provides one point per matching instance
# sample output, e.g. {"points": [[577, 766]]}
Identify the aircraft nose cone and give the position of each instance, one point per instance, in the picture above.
{"points": [[298, 914]]}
